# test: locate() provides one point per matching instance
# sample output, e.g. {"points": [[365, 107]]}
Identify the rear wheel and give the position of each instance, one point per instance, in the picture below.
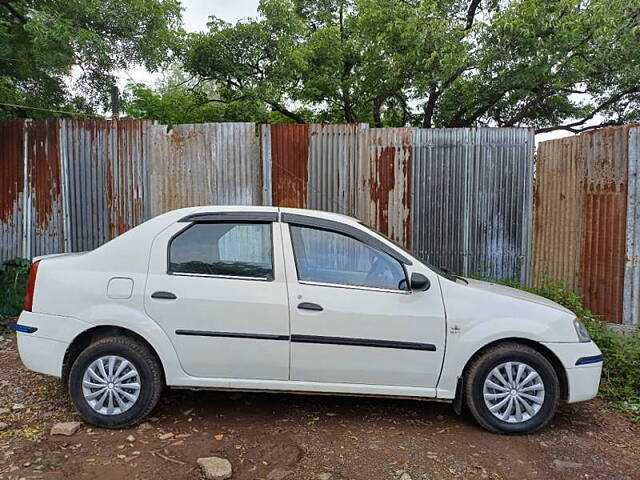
{"points": [[115, 382], [512, 388]]}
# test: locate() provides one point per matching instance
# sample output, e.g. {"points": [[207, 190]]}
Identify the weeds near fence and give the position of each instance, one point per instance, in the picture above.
{"points": [[620, 385], [13, 282]]}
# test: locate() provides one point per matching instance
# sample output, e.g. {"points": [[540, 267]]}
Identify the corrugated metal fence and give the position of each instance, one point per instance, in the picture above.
{"points": [[68, 185], [586, 232], [459, 197]]}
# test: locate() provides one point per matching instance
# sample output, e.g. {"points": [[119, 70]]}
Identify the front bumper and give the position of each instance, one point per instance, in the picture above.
{"points": [[583, 366], [44, 349]]}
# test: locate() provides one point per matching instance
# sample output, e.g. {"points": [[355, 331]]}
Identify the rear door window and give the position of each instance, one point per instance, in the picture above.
{"points": [[242, 250]]}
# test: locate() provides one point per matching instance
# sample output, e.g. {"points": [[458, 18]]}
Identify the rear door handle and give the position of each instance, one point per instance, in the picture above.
{"points": [[310, 306], [164, 295]]}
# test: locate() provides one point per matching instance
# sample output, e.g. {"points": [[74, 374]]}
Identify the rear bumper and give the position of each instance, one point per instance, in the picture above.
{"points": [[44, 349], [583, 366], [41, 355]]}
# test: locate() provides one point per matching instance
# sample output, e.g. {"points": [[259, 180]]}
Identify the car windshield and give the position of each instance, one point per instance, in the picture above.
{"points": [[437, 270]]}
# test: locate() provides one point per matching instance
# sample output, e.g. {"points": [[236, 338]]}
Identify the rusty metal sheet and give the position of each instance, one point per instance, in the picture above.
{"points": [[383, 198], [581, 225], [289, 164], [203, 164], [604, 211], [631, 294], [103, 176], [333, 156], [44, 188], [558, 203], [12, 134], [126, 175], [85, 146]]}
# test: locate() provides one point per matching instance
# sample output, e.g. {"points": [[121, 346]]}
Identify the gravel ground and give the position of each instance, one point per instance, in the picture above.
{"points": [[277, 437]]}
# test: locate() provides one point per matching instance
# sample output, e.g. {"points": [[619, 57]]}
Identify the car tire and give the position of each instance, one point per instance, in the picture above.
{"points": [[526, 407], [139, 367]]}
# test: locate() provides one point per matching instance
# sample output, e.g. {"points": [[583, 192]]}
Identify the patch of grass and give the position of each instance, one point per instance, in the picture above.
{"points": [[620, 383], [13, 283]]}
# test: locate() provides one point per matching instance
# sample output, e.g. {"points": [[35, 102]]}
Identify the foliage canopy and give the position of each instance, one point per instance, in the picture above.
{"points": [[429, 63], [43, 43]]}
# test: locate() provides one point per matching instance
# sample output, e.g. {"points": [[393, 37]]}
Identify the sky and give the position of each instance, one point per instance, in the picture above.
{"points": [[195, 17]]}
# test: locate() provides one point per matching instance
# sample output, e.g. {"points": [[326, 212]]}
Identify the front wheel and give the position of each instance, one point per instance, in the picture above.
{"points": [[511, 388], [115, 382]]}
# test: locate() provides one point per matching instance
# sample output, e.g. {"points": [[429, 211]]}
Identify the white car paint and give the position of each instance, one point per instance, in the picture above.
{"points": [[112, 286]]}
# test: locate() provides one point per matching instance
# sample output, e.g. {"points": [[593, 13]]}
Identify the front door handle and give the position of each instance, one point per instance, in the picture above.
{"points": [[310, 306], [164, 295]]}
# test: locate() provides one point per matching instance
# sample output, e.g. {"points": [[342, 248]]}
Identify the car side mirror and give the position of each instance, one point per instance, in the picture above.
{"points": [[419, 283]]}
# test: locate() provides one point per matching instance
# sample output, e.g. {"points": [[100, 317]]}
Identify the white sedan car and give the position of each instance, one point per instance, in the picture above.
{"points": [[280, 299]]}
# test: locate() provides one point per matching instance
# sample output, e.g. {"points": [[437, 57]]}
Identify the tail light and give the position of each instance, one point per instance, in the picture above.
{"points": [[31, 286]]}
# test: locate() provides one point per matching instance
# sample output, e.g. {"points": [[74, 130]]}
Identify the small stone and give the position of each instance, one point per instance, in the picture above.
{"points": [[562, 464], [215, 468], [165, 436], [65, 428], [144, 426], [3, 426], [4, 411], [323, 476], [405, 476], [131, 439], [16, 407], [278, 474]]}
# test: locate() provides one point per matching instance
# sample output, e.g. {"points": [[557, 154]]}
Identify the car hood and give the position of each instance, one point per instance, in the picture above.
{"points": [[516, 293]]}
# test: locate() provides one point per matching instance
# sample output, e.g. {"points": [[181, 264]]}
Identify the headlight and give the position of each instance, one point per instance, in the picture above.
{"points": [[581, 330]]}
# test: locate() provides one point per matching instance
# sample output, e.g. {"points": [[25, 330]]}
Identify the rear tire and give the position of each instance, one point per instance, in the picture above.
{"points": [[499, 396], [115, 382]]}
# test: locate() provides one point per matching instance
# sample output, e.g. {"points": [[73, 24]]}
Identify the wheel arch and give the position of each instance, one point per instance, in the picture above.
{"points": [[539, 347], [87, 337]]}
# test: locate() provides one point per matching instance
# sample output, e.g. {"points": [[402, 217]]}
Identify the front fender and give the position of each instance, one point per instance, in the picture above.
{"points": [[464, 341]]}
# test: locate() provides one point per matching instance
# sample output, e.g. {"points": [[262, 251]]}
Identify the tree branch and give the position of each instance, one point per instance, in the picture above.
{"points": [[471, 13], [576, 127], [287, 113], [462, 120], [430, 106]]}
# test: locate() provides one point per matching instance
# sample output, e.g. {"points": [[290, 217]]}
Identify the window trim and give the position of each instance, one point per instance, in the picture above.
{"points": [[231, 217], [343, 285], [353, 287], [213, 275], [344, 229]]}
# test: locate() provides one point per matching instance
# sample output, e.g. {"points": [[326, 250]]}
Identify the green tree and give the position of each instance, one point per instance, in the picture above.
{"points": [[44, 42], [178, 98], [430, 63]]}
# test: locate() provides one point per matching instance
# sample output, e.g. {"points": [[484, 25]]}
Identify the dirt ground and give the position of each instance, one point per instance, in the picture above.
{"points": [[278, 436]]}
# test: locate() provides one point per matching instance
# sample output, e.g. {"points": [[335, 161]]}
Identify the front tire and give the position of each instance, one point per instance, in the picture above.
{"points": [[512, 388], [115, 382]]}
